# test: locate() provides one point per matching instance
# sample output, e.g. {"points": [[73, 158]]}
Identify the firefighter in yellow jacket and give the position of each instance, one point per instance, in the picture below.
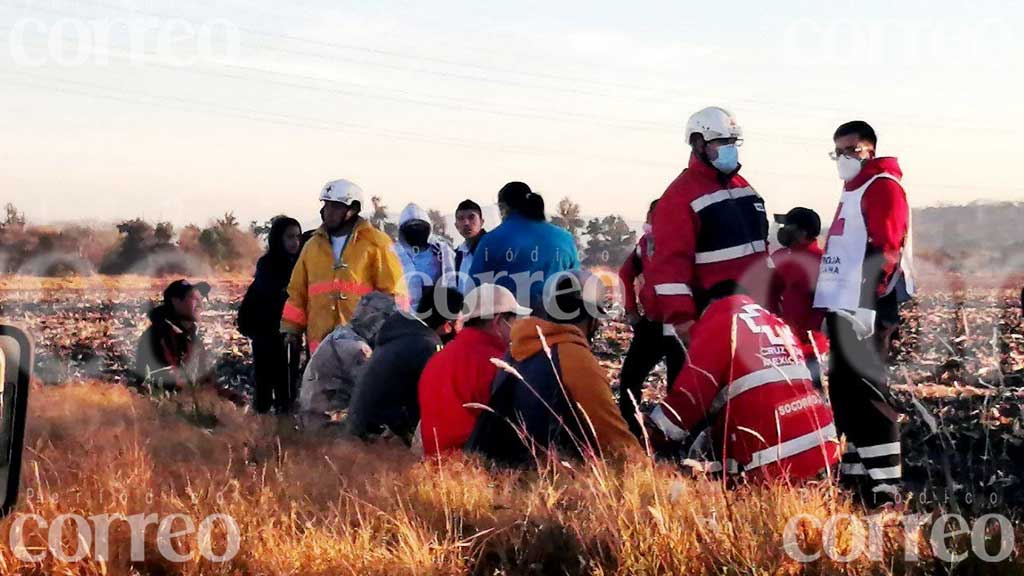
{"points": [[345, 259]]}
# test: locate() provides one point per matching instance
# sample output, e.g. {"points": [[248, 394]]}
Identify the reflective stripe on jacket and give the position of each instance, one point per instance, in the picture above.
{"points": [[322, 293]]}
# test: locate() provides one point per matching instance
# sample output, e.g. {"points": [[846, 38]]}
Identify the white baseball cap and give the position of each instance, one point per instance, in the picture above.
{"points": [[489, 300], [343, 191]]}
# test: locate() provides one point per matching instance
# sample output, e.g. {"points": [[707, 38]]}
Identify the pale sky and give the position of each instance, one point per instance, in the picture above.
{"points": [[184, 110]]}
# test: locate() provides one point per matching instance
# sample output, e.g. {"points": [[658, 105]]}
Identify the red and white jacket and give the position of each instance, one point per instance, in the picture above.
{"points": [[791, 294], [746, 378], [633, 273], [707, 228]]}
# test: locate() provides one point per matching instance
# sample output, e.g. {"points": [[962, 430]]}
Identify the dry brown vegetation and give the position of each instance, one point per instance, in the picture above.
{"points": [[308, 505], [320, 506]]}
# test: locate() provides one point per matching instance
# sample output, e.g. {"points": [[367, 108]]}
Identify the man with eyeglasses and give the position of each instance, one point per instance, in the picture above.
{"points": [[709, 227], [865, 274]]}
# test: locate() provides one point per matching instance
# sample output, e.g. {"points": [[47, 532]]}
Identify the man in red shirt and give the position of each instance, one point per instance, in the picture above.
{"points": [[865, 274], [791, 296], [652, 340], [462, 372], [710, 225], [745, 378]]}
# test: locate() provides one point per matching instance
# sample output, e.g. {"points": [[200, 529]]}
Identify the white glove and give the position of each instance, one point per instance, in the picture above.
{"points": [[863, 321]]}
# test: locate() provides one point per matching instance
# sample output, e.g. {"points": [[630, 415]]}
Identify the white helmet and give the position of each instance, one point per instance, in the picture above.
{"points": [[713, 122], [342, 191]]}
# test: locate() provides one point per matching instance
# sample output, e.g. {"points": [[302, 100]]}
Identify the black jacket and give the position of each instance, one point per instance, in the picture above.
{"points": [[170, 351], [386, 394], [259, 314]]}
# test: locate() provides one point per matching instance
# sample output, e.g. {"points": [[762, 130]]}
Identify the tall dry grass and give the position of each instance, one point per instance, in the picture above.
{"points": [[324, 506]]}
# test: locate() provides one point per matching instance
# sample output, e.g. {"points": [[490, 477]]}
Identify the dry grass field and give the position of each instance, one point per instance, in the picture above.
{"points": [[317, 505]]}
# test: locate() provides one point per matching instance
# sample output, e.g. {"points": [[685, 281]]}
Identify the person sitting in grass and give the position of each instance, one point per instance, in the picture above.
{"points": [[385, 398], [461, 374], [336, 365], [553, 394], [170, 354]]}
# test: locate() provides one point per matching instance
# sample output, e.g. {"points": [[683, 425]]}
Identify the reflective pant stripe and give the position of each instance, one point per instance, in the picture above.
{"points": [[856, 469], [889, 473], [879, 450]]}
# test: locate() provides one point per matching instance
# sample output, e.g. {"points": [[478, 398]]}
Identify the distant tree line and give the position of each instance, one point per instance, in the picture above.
{"points": [[131, 246], [138, 246]]}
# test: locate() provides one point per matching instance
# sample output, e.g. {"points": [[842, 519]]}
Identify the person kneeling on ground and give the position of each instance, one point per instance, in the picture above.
{"points": [[747, 381], [170, 353], [462, 373], [336, 365], [386, 394], [563, 400]]}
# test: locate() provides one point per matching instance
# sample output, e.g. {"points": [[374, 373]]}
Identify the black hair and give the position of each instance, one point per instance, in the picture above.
{"points": [[521, 200], [275, 239], [862, 129], [432, 298], [654, 204], [569, 302], [469, 205], [181, 288], [805, 219], [481, 321], [723, 289]]}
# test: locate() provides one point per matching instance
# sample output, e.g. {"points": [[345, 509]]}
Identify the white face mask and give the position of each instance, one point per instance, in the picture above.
{"points": [[848, 167]]}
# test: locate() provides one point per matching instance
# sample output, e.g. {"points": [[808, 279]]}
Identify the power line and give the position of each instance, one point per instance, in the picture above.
{"points": [[82, 88], [659, 97]]}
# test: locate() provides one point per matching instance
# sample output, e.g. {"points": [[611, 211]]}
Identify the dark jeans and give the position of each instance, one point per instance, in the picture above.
{"points": [[863, 407], [649, 347], [274, 388]]}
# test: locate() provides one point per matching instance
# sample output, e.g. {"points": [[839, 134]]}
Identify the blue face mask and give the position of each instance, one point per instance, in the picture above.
{"points": [[728, 159]]}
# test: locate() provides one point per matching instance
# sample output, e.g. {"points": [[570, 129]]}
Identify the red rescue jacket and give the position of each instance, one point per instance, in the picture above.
{"points": [[708, 228], [632, 273], [747, 379], [792, 293]]}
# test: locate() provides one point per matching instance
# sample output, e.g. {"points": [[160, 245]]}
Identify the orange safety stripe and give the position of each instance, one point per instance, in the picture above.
{"points": [[293, 314], [402, 301], [342, 286]]}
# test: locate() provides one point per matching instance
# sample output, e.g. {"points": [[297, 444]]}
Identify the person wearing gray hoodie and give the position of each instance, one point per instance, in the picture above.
{"points": [[332, 372]]}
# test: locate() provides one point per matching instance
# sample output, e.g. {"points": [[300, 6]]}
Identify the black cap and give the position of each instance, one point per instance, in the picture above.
{"points": [[803, 218], [430, 310], [180, 288]]}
